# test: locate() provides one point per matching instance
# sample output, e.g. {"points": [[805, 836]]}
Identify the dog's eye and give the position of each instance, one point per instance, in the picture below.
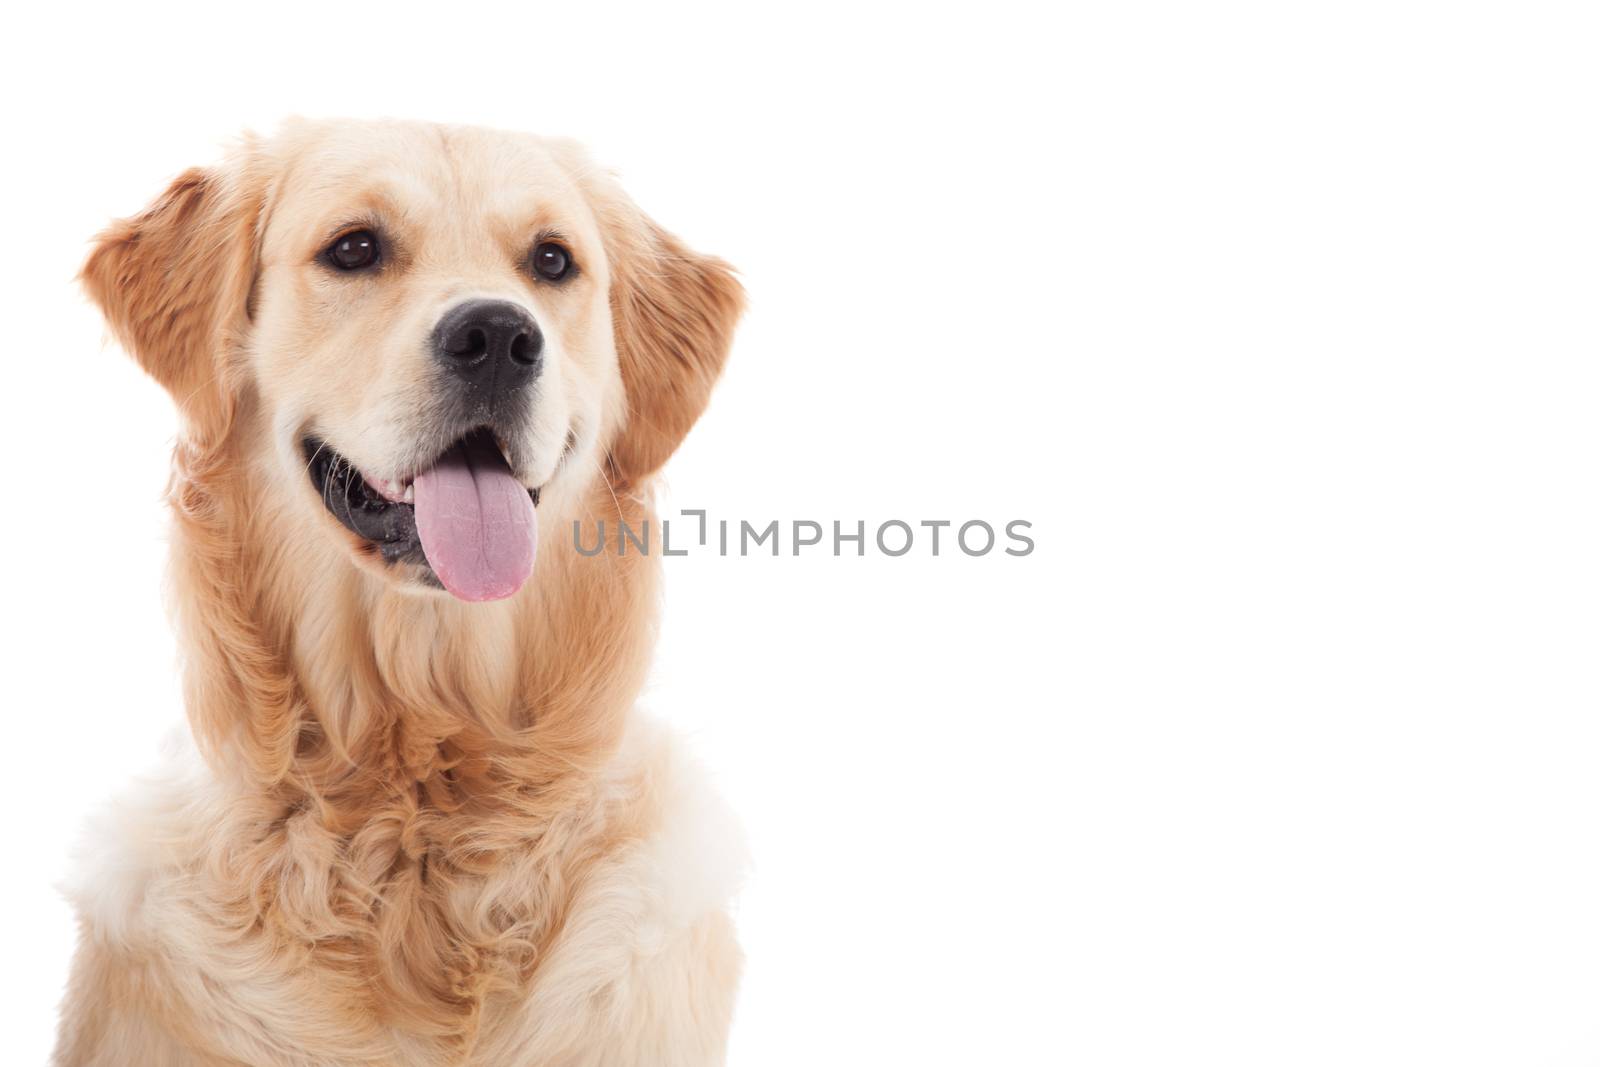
{"points": [[353, 251], [551, 262]]}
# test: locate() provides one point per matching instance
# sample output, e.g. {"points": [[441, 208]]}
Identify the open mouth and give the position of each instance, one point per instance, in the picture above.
{"points": [[464, 518]]}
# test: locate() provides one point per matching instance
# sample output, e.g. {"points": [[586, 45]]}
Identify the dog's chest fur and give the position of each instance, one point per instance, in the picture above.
{"points": [[574, 941]]}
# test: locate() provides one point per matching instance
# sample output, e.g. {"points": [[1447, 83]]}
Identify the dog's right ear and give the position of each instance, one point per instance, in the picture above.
{"points": [[174, 283]]}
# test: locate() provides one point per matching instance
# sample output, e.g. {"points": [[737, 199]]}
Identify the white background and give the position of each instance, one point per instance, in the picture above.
{"points": [[1278, 321]]}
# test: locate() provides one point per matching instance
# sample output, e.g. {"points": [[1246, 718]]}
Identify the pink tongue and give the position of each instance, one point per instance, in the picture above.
{"points": [[476, 522]]}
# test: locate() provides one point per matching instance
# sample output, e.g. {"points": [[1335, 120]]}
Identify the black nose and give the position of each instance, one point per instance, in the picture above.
{"points": [[492, 343]]}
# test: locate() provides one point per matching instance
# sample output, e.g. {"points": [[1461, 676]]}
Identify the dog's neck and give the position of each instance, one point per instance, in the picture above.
{"points": [[421, 739], [310, 679]]}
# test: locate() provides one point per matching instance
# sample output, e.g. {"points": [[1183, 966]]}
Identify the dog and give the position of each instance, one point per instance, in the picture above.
{"points": [[416, 819]]}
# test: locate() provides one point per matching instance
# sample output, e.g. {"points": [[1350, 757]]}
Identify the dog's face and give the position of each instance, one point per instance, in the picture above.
{"points": [[441, 329], [420, 294]]}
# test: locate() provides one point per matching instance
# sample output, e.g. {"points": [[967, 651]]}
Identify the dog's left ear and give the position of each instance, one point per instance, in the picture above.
{"points": [[673, 311], [174, 283]]}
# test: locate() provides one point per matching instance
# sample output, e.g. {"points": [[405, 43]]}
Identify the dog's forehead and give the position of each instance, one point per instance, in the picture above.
{"points": [[424, 172]]}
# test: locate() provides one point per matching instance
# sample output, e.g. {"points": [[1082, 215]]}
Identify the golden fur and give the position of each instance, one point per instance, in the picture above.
{"points": [[418, 831]]}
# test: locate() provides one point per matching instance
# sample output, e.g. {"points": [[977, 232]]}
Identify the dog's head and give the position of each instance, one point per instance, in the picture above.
{"points": [[435, 328]]}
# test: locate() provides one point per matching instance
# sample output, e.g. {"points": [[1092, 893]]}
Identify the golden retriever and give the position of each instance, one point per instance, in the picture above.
{"points": [[420, 821]]}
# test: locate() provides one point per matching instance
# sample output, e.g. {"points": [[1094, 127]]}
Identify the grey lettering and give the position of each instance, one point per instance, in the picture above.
{"points": [[1011, 532], [903, 548], [859, 537], [817, 526], [577, 538], [961, 537]]}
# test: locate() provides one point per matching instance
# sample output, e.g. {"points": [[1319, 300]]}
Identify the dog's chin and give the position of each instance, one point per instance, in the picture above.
{"points": [[382, 514]]}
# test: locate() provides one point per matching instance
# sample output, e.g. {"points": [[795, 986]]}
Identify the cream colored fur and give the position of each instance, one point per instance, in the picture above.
{"points": [[407, 830]]}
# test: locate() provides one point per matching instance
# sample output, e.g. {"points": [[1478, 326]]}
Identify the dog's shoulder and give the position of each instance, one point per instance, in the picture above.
{"points": [[690, 851], [646, 962], [668, 850], [150, 830]]}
